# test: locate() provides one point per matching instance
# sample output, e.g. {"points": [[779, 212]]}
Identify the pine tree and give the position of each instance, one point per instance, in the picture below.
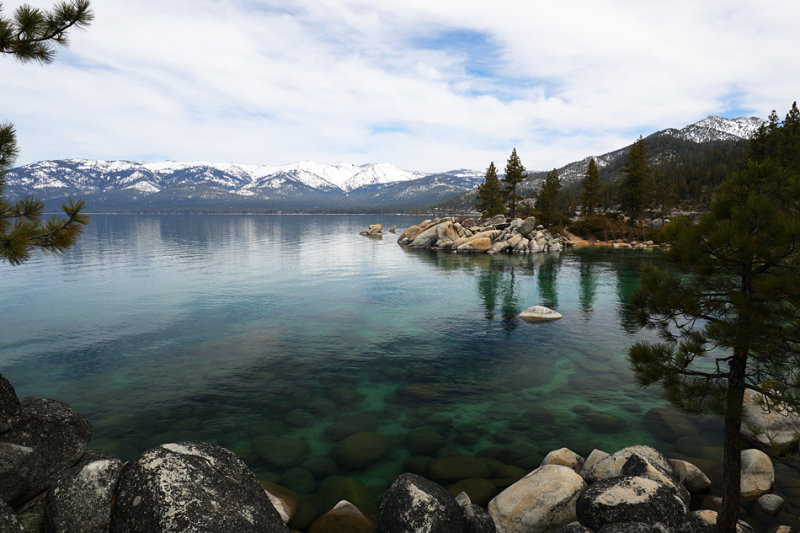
{"points": [[515, 173], [591, 196], [549, 201], [728, 310], [636, 187], [489, 200], [31, 36]]}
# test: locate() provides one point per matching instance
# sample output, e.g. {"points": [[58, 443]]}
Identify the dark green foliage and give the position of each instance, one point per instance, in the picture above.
{"points": [[780, 142], [605, 227], [515, 173], [728, 309], [32, 33], [635, 193], [550, 202], [30, 36], [489, 200], [592, 194]]}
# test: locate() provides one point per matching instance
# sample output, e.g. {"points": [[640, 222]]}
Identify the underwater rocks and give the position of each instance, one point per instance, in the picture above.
{"points": [[492, 236], [196, 486]]}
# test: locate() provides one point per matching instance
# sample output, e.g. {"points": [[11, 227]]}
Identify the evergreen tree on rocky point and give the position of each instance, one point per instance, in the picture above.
{"points": [[515, 173], [592, 192], [727, 307], [636, 187], [490, 199], [30, 36], [549, 201]]}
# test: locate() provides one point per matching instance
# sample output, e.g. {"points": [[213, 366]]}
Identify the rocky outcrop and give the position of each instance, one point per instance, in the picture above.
{"points": [[373, 230], [493, 236]]}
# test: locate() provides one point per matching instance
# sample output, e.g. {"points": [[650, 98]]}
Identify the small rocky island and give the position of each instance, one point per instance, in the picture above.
{"points": [[50, 482], [493, 236]]}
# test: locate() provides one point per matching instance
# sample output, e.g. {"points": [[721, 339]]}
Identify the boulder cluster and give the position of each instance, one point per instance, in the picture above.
{"points": [[493, 236], [49, 481]]}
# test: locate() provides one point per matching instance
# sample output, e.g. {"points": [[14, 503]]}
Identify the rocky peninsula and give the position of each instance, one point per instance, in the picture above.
{"points": [[465, 235], [50, 481]]}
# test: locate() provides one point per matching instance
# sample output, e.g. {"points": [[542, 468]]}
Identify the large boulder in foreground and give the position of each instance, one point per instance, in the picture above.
{"points": [[646, 493], [49, 438], [544, 500], [80, 499], [191, 487], [413, 503]]}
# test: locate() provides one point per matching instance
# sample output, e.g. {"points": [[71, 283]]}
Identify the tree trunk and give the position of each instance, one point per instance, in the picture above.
{"points": [[732, 456]]}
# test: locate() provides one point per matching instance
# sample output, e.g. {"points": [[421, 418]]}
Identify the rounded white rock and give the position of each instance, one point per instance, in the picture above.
{"points": [[539, 313]]}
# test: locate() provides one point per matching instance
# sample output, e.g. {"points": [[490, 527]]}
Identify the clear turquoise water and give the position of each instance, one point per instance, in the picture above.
{"points": [[235, 329]]}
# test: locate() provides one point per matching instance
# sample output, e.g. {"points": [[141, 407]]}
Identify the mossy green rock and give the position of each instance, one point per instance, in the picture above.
{"points": [[452, 469], [424, 441], [603, 422], [299, 480], [419, 465], [345, 426], [361, 449], [281, 452]]}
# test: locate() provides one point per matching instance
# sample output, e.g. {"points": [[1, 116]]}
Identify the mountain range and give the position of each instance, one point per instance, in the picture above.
{"points": [[301, 186]]}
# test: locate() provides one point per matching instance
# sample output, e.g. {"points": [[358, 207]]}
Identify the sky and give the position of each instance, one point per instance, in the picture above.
{"points": [[428, 85]]}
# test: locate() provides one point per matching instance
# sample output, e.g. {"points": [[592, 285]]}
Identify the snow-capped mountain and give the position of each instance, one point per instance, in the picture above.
{"points": [[714, 128], [301, 185]]}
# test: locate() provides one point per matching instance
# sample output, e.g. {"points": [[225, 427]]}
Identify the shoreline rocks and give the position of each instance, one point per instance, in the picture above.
{"points": [[493, 236]]}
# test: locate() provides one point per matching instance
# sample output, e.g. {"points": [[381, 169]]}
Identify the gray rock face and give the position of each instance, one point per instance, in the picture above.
{"points": [[414, 504], [191, 487], [80, 499], [8, 520], [10, 410], [628, 499], [49, 438], [542, 501]]}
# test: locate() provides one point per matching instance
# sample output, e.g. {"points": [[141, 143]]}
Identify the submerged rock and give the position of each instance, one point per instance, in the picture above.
{"points": [[191, 486], [539, 313]]}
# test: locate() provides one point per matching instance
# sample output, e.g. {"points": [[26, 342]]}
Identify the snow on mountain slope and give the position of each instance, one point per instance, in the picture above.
{"points": [[718, 129]]}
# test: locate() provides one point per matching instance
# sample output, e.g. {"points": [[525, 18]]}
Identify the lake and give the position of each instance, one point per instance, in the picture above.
{"points": [[281, 337]]}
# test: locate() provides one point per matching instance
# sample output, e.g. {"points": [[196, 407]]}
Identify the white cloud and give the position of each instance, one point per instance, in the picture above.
{"points": [[271, 82]]}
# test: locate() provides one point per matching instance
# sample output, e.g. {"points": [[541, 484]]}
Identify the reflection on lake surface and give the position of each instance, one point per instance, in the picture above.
{"points": [[272, 333]]}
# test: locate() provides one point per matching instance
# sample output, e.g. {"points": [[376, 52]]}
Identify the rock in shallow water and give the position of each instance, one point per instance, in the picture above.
{"points": [[191, 487], [539, 313]]}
